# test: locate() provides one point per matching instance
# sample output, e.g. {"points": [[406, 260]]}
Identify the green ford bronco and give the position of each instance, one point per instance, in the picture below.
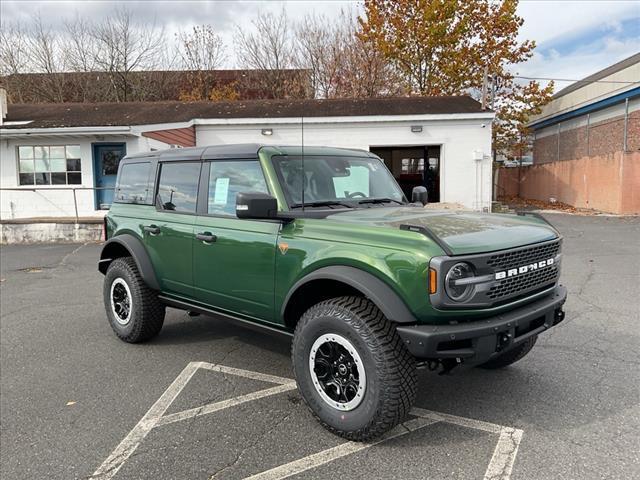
{"points": [[321, 244]]}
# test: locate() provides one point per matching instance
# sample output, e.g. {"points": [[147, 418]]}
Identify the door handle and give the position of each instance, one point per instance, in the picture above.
{"points": [[152, 229], [206, 237]]}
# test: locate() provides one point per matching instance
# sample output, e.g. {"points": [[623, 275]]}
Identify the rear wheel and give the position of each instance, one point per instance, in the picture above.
{"points": [[133, 309], [511, 356], [352, 369]]}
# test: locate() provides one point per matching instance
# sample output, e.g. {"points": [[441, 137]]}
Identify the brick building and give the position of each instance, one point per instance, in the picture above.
{"points": [[586, 149]]}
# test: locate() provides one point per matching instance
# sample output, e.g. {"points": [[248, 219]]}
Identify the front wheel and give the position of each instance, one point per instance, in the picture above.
{"points": [[133, 309], [352, 369]]}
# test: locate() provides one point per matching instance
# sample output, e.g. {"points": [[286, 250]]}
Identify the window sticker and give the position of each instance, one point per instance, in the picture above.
{"points": [[221, 191]]}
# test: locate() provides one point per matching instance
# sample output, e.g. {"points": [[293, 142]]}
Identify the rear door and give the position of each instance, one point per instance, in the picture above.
{"points": [[169, 233], [233, 259]]}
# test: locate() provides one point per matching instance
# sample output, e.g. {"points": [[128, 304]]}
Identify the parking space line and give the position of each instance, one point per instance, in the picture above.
{"points": [[461, 421], [264, 377], [123, 451], [231, 402], [504, 455], [499, 468], [339, 451]]}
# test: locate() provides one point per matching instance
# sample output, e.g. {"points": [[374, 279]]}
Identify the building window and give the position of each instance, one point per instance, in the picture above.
{"points": [[49, 165]]}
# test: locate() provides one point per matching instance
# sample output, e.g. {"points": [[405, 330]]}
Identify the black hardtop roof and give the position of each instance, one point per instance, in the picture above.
{"points": [[241, 150]]}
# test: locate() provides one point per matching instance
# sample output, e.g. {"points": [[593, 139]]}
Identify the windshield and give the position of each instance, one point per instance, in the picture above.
{"points": [[336, 181]]}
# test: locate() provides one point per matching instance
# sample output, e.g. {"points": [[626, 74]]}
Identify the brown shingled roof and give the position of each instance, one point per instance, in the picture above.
{"points": [[141, 113]]}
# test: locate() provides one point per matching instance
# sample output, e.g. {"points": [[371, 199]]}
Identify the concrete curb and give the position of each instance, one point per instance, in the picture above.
{"points": [[50, 232]]}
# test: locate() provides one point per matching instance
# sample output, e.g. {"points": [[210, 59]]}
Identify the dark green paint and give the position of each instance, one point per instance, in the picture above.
{"points": [[245, 273]]}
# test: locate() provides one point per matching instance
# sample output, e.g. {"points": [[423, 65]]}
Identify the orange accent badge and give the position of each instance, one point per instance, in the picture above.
{"points": [[284, 247]]}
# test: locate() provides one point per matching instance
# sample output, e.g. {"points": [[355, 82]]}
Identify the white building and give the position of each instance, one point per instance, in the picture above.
{"points": [[48, 150]]}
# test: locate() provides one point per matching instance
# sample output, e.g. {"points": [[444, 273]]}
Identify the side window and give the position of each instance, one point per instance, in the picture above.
{"points": [[133, 183], [227, 178], [178, 186]]}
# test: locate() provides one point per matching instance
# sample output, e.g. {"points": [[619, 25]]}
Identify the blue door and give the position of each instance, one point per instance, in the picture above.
{"points": [[106, 158]]}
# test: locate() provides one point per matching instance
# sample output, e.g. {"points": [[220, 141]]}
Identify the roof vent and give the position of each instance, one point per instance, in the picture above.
{"points": [[3, 105]]}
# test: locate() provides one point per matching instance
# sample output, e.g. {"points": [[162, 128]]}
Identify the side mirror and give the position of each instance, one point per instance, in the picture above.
{"points": [[420, 195], [256, 205]]}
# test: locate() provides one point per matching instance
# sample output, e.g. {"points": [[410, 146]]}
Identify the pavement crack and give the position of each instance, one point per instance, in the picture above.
{"points": [[216, 475]]}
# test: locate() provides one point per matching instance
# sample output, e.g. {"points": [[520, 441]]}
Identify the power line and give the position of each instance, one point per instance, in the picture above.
{"points": [[576, 81]]}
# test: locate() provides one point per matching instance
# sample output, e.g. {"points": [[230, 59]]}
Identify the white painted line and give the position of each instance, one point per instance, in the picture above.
{"points": [[329, 455], [217, 406], [461, 421], [247, 374], [123, 451], [499, 468], [504, 455]]}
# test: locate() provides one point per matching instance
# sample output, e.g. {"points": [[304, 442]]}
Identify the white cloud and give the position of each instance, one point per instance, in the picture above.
{"points": [[558, 27]]}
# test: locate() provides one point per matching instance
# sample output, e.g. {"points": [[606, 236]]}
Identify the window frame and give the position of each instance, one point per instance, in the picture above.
{"points": [[49, 172], [202, 208], [150, 186], [156, 187]]}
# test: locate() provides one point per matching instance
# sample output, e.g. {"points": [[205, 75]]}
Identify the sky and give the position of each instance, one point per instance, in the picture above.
{"points": [[574, 38]]}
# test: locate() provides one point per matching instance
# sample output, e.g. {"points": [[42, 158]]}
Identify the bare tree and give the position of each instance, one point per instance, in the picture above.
{"points": [[126, 46], [365, 72], [319, 44], [13, 58], [270, 50], [339, 62], [44, 54], [200, 50]]}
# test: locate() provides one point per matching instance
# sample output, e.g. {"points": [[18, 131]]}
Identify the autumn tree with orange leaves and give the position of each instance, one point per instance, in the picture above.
{"points": [[444, 47]]}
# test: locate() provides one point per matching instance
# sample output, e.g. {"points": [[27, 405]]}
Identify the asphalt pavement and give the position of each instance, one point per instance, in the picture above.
{"points": [[71, 393]]}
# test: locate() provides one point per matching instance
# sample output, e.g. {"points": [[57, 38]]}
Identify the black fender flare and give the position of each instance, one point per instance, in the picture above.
{"points": [[381, 294], [138, 252]]}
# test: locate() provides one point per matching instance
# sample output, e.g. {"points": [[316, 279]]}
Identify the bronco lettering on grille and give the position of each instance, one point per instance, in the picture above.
{"points": [[512, 272]]}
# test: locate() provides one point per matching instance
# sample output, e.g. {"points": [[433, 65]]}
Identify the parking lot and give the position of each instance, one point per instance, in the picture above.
{"points": [[208, 399]]}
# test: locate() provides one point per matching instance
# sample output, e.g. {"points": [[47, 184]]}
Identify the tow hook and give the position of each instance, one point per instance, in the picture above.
{"points": [[558, 316], [503, 340], [449, 364]]}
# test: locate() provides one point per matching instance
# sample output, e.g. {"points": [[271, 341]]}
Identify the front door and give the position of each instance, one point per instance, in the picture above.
{"points": [[106, 158], [233, 259]]}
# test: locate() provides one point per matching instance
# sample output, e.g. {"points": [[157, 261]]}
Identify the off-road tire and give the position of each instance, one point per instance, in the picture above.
{"points": [[147, 312], [511, 356], [391, 378]]}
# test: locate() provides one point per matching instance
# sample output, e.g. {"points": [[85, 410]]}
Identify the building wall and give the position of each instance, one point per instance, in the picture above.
{"points": [[599, 133], [592, 92], [46, 201], [583, 162], [462, 179], [608, 182]]}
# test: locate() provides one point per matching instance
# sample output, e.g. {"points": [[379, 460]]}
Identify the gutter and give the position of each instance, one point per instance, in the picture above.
{"points": [[597, 105], [26, 132], [488, 116]]}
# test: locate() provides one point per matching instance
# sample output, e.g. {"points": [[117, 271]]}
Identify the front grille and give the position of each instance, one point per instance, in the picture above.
{"points": [[515, 282], [513, 286], [500, 261]]}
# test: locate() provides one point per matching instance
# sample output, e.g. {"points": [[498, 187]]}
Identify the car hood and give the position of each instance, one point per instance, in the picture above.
{"points": [[462, 232]]}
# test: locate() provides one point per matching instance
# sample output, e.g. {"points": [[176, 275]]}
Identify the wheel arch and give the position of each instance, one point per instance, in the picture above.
{"points": [[337, 281], [125, 245]]}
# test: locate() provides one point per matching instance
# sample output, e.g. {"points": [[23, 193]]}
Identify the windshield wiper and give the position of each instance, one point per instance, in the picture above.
{"points": [[324, 203], [380, 200]]}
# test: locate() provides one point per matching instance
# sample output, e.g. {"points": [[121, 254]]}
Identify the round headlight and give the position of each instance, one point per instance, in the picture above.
{"points": [[459, 291]]}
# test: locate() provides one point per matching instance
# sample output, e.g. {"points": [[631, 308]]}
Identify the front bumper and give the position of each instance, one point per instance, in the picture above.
{"points": [[477, 341]]}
